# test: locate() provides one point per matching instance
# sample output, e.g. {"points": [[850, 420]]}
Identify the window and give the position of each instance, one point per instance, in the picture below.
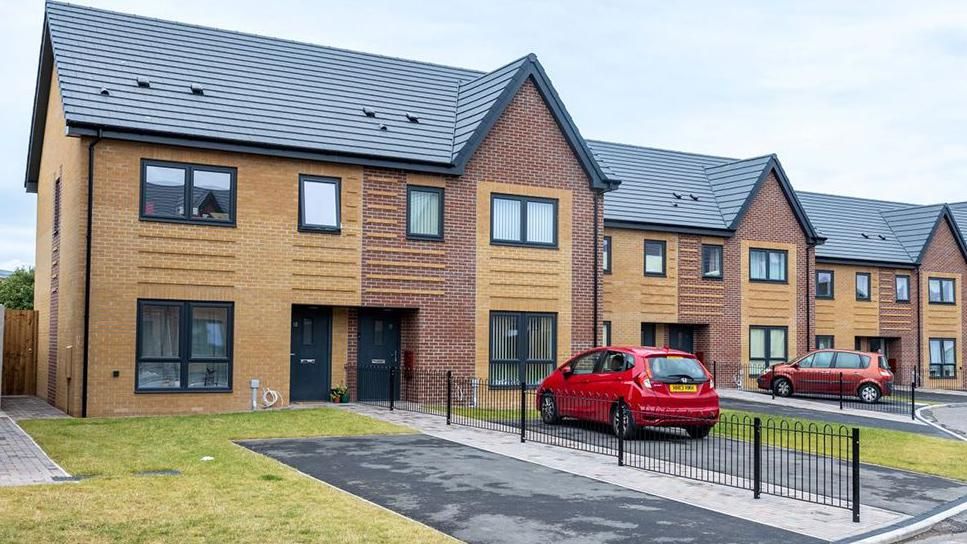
{"points": [[606, 255], [903, 288], [184, 346], [615, 361], [712, 262], [523, 221], [522, 348], [187, 192], [586, 363], [862, 286], [767, 265], [319, 203], [824, 284], [941, 291], [823, 359], [943, 358], [648, 334], [606, 333], [849, 360], [424, 212], [767, 346], [824, 341], [654, 257]]}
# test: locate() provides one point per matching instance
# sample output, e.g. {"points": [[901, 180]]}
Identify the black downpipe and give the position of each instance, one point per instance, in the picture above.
{"points": [[916, 368], [595, 275], [87, 269], [809, 297]]}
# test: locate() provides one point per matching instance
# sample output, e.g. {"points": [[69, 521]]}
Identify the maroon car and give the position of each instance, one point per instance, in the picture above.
{"points": [[825, 372]]}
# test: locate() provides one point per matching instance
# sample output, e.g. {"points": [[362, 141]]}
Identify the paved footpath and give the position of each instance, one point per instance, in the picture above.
{"points": [[22, 462], [952, 417]]}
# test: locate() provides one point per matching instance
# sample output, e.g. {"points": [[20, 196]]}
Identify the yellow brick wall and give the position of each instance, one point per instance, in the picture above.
{"points": [[941, 321], [630, 297], [844, 317], [769, 304]]}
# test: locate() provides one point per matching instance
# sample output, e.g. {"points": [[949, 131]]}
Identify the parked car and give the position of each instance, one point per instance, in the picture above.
{"points": [[660, 387], [865, 375]]}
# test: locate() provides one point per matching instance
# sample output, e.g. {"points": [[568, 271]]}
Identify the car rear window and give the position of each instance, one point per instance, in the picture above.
{"points": [[675, 368], [883, 363]]}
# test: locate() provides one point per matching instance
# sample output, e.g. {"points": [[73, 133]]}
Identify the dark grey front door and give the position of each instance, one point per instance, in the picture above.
{"points": [[379, 352], [310, 363], [681, 338]]}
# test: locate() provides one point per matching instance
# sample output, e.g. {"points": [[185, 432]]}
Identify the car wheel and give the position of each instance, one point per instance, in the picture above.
{"points": [[698, 431], [628, 425], [782, 387], [549, 414], [869, 393]]}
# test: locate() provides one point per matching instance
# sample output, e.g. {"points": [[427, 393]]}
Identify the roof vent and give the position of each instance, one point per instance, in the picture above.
{"points": [[105, 92], [412, 118], [370, 112], [864, 235], [677, 195], [693, 197], [196, 88], [881, 237], [143, 82], [382, 126]]}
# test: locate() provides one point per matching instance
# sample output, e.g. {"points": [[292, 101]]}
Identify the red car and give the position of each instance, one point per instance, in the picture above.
{"points": [[661, 388], [865, 375]]}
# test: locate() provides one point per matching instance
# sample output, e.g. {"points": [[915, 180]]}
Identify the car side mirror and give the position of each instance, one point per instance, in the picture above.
{"points": [[566, 371]]}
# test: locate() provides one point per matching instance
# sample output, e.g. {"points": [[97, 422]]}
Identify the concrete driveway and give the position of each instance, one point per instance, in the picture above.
{"points": [[482, 497]]}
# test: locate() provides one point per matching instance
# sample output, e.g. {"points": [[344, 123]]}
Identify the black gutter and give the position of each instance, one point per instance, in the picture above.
{"points": [[87, 269], [597, 254]]}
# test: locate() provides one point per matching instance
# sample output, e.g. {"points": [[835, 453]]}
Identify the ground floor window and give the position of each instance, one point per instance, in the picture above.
{"points": [[184, 345], [606, 333], [824, 341], [767, 346], [648, 334], [522, 348], [943, 358]]}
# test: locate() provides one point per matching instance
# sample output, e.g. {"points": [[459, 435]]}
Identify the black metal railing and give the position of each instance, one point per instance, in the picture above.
{"points": [[812, 463]]}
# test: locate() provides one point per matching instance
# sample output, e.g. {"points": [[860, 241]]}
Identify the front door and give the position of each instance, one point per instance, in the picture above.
{"points": [[379, 351], [310, 363], [681, 338]]}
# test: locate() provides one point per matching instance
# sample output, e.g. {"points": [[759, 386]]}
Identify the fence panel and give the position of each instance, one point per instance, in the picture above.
{"points": [[19, 353]]}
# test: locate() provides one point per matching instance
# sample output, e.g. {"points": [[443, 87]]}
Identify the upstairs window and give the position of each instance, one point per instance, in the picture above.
{"points": [[941, 291], [424, 212], [187, 193], [319, 204], [767, 265], [903, 288], [712, 261], [654, 257], [862, 286], [524, 221], [824, 284], [606, 255]]}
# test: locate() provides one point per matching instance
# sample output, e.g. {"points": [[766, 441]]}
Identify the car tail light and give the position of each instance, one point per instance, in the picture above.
{"points": [[643, 381], [711, 384]]}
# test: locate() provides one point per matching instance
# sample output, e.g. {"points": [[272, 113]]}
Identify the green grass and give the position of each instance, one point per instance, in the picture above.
{"points": [[896, 449], [239, 497]]}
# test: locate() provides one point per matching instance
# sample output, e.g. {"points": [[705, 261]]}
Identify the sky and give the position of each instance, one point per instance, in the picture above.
{"points": [[856, 98]]}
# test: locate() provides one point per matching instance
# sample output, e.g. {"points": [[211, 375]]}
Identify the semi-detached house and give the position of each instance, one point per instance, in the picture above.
{"points": [[215, 207]]}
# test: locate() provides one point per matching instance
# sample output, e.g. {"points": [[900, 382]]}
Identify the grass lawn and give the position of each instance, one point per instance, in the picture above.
{"points": [[896, 449], [238, 497]]}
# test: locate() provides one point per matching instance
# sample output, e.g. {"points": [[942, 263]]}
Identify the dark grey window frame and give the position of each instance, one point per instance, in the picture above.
{"points": [[606, 250], [767, 279], [184, 346], [768, 360], [942, 281], [869, 286], [832, 284], [646, 329], [523, 221], [303, 227], [522, 340], [931, 364], [832, 341], [896, 292], [189, 169], [721, 250], [605, 333], [424, 189], [664, 258]]}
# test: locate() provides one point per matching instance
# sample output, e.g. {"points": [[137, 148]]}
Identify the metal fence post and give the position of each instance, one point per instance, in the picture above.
{"points": [[840, 390], [913, 396], [523, 410], [856, 475], [392, 387], [621, 431], [757, 456], [449, 395]]}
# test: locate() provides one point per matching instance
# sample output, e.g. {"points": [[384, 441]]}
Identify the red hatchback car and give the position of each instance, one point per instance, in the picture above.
{"points": [[661, 388], [864, 375]]}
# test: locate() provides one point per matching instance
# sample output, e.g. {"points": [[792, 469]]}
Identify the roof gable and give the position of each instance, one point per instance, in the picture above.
{"points": [[914, 226]]}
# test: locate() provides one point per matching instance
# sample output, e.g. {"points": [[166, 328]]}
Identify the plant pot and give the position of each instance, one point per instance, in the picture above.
{"points": [[344, 398]]}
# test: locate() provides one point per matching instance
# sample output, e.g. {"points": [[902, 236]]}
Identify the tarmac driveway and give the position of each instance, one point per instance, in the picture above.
{"points": [[482, 497]]}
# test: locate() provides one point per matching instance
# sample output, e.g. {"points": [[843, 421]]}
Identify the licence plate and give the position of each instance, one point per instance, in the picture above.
{"points": [[683, 388]]}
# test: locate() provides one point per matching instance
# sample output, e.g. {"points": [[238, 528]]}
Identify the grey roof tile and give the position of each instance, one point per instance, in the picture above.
{"points": [[853, 228], [733, 182]]}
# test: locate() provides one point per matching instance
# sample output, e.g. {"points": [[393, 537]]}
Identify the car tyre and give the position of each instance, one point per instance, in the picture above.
{"points": [[869, 393], [549, 413], [630, 428], [782, 387], [698, 431]]}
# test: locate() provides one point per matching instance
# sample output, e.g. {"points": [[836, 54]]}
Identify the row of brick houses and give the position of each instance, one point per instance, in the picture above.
{"points": [[216, 207]]}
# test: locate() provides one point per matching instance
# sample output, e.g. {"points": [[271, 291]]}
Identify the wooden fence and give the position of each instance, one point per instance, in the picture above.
{"points": [[19, 353]]}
